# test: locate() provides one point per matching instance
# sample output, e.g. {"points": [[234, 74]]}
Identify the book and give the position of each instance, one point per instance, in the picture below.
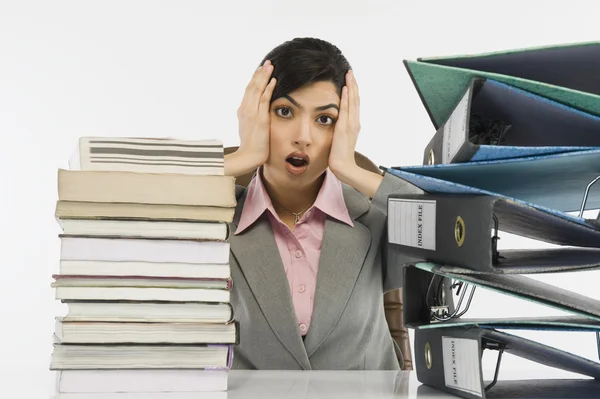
{"points": [[141, 383], [215, 231], [149, 155], [146, 188], [132, 211], [83, 332]]}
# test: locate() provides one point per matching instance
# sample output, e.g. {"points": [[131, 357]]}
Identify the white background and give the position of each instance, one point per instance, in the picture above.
{"points": [[178, 69]]}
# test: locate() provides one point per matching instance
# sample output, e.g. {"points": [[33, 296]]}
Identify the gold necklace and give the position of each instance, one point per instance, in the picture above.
{"points": [[296, 215]]}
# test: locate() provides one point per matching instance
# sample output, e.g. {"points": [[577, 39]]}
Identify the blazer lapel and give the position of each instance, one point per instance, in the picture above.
{"points": [[258, 256], [343, 251]]}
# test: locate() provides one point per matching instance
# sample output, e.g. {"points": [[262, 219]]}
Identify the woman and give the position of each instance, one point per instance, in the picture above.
{"points": [[307, 269]]}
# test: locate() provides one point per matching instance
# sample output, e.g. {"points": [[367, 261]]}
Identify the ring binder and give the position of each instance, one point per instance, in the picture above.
{"points": [[439, 309], [585, 195], [487, 343]]}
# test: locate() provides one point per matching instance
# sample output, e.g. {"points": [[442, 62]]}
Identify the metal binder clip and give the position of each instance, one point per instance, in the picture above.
{"points": [[583, 202], [439, 310], [484, 130], [493, 345], [495, 254], [585, 195], [598, 342]]}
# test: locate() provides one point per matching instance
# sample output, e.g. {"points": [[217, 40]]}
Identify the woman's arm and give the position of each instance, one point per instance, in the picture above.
{"points": [[363, 180], [239, 163], [345, 136], [254, 121]]}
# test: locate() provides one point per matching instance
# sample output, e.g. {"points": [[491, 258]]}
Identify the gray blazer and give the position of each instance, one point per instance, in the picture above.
{"points": [[348, 329]]}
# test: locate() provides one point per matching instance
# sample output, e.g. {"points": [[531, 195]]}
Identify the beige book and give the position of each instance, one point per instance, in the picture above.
{"points": [[146, 188], [116, 211], [148, 154]]}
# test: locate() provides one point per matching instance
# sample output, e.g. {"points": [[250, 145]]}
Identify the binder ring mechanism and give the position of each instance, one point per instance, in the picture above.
{"points": [[583, 202], [439, 310], [493, 345]]}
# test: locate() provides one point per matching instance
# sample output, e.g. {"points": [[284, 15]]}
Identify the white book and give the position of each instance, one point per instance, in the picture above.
{"points": [[142, 294], [144, 383], [145, 228], [150, 312], [143, 395], [111, 357], [148, 269], [144, 250], [79, 332]]}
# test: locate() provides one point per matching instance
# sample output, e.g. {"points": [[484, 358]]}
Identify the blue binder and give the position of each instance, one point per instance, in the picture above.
{"points": [[555, 183], [494, 120]]}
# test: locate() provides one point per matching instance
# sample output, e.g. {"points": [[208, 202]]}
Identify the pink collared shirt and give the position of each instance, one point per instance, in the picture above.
{"points": [[300, 249]]}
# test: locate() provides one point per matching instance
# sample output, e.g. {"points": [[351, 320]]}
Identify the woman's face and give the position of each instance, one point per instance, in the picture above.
{"points": [[302, 126]]}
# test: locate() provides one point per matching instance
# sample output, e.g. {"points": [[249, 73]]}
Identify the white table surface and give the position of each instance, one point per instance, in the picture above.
{"points": [[307, 385]]}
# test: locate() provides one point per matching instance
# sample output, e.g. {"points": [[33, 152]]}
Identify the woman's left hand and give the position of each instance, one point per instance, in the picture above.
{"points": [[345, 136], [347, 127]]}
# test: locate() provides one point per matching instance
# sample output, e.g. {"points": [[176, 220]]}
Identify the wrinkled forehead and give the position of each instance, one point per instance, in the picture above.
{"points": [[315, 95]]}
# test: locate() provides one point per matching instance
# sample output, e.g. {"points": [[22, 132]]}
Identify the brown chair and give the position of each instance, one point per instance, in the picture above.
{"points": [[392, 299]]}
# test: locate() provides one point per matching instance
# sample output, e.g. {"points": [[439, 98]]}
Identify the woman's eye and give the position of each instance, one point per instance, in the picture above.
{"points": [[325, 120], [283, 112]]}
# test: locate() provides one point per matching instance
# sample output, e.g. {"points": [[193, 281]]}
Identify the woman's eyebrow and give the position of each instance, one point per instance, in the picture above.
{"points": [[321, 108]]}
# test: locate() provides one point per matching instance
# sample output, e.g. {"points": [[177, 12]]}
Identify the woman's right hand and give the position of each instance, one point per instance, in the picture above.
{"points": [[254, 124]]}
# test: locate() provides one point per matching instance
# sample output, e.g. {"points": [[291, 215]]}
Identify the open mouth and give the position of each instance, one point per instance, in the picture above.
{"points": [[297, 162], [297, 159]]}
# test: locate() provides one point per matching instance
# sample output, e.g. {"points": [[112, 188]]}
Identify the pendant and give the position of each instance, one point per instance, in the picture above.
{"points": [[297, 218]]}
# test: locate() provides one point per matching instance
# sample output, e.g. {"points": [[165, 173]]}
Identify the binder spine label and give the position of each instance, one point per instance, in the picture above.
{"points": [[412, 222], [462, 362], [455, 129]]}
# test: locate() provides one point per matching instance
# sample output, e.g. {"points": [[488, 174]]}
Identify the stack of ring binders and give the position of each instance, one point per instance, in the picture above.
{"points": [[516, 149]]}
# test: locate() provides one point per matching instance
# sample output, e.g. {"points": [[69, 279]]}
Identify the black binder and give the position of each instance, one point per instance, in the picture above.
{"points": [[449, 360], [462, 231]]}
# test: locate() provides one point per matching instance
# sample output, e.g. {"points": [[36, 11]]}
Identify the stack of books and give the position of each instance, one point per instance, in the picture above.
{"points": [[144, 268], [516, 150]]}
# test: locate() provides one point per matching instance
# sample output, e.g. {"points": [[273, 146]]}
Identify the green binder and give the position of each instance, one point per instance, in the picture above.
{"points": [[566, 73]]}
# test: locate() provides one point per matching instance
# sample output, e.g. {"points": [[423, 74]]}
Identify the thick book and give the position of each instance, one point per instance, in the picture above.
{"points": [[450, 359], [128, 357], [65, 280], [149, 155], [149, 268], [99, 332], [216, 231], [149, 311], [132, 211], [143, 250], [118, 293], [146, 188], [565, 73], [142, 384], [462, 230], [494, 120]]}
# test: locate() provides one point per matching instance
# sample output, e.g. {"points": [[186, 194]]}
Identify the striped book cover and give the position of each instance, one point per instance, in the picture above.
{"points": [[149, 155]]}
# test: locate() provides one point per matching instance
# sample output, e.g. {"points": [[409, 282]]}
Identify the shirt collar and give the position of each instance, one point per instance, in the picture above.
{"points": [[330, 200]]}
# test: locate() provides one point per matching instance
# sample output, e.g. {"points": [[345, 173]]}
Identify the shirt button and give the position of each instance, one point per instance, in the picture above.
{"points": [[308, 214], [302, 288], [302, 327], [298, 253]]}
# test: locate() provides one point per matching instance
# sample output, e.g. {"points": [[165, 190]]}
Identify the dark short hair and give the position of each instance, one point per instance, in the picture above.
{"points": [[303, 61]]}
